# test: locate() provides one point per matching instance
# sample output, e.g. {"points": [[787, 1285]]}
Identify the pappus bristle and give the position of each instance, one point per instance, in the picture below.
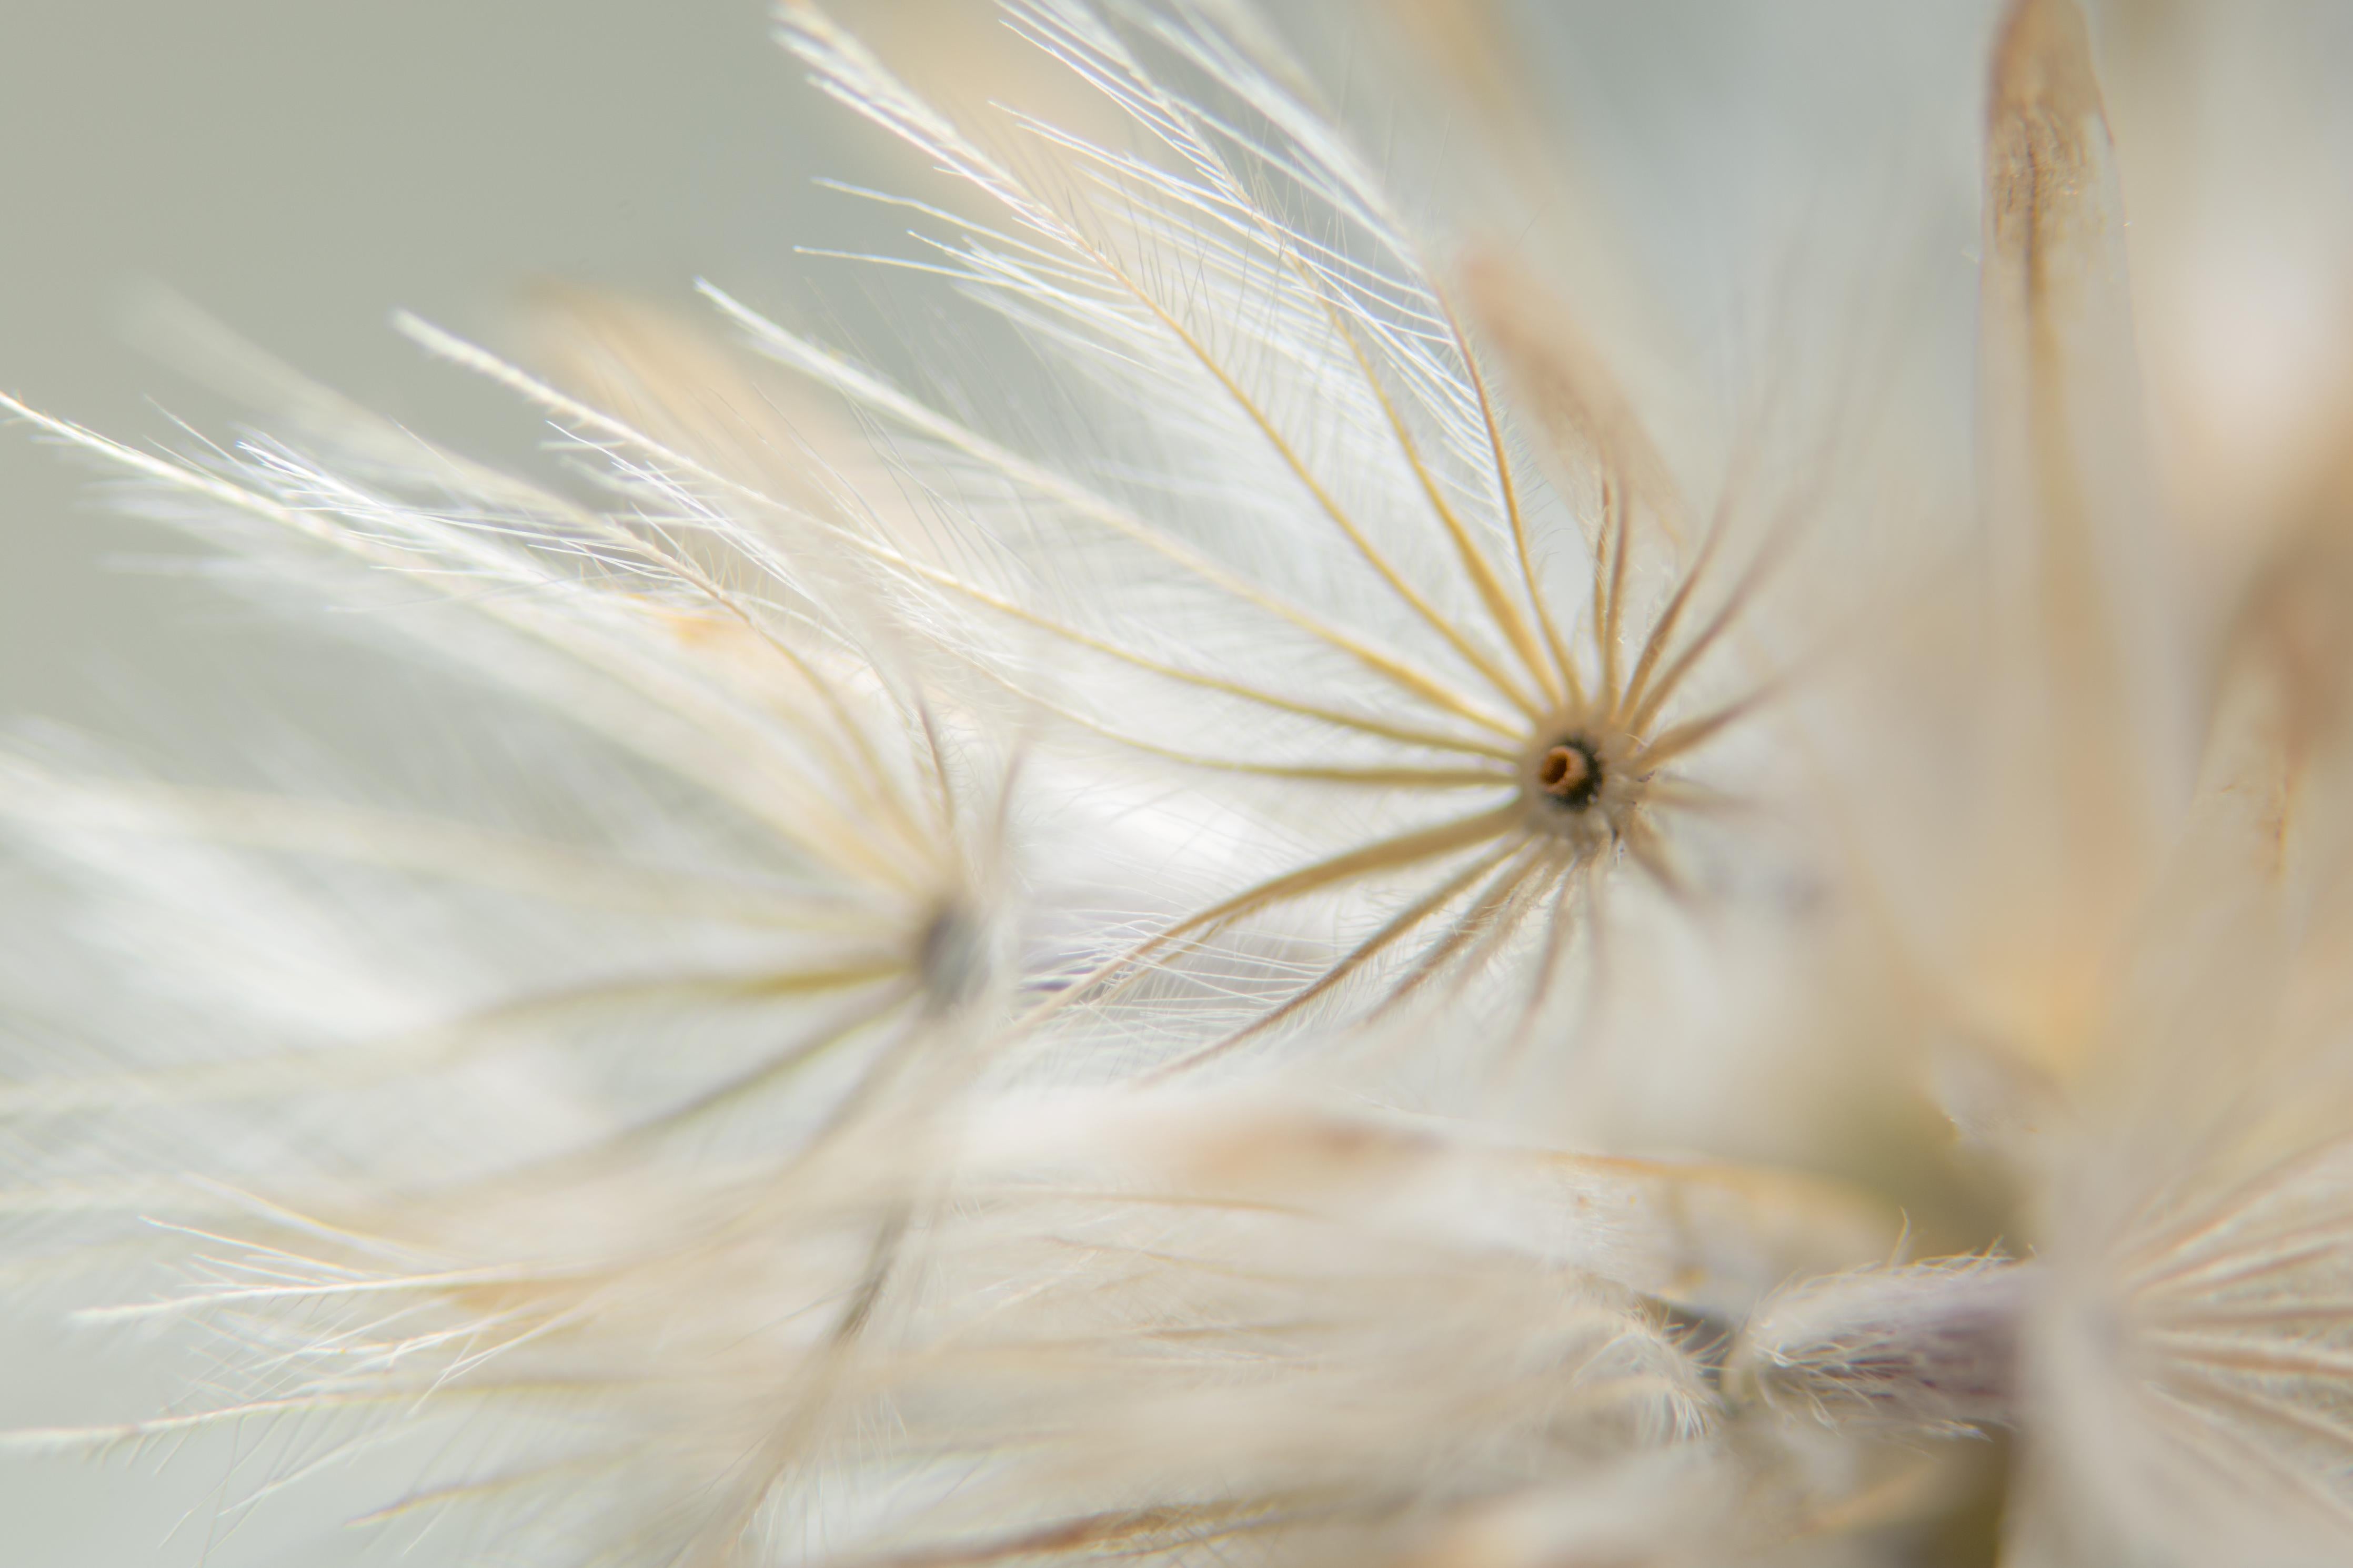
{"points": [[709, 1083], [1301, 550], [783, 934]]}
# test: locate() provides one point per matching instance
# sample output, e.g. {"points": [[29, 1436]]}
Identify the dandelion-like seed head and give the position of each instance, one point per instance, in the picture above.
{"points": [[787, 1196]]}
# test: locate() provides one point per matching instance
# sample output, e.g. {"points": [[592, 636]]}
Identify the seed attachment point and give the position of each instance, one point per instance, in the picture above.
{"points": [[1571, 773]]}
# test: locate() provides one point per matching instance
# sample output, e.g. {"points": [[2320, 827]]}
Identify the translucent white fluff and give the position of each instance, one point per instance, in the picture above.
{"points": [[716, 1089]]}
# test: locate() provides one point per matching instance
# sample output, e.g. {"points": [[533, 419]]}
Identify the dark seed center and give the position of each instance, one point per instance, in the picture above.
{"points": [[951, 958], [1570, 773]]}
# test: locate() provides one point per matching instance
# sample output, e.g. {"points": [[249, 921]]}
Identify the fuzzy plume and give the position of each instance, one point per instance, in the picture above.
{"points": [[735, 1090]]}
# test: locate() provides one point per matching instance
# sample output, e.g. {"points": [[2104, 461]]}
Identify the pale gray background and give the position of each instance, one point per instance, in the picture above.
{"points": [[299, 168]]}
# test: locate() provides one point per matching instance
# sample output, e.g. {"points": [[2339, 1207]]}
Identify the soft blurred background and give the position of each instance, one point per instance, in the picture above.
{"points": [[301, 168]]}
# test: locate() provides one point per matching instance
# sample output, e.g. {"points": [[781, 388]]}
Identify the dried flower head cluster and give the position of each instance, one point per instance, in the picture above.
{"points": [[1076, 959]]}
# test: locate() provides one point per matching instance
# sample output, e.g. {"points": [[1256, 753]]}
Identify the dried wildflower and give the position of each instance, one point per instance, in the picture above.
{"points": [[696, 1178], [781, 914], [2168, 1090], [1297, 537], [679, 1382]]}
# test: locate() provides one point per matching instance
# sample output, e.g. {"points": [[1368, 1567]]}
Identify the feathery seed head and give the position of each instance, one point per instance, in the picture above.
{"points": [[1320, 464], [696, 1148]]}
